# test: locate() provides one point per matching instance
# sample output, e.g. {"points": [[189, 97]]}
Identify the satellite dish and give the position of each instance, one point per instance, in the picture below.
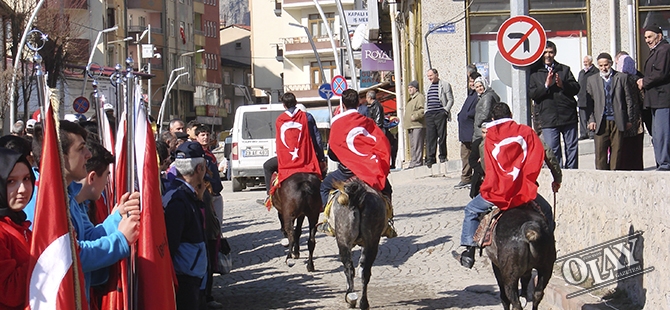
{"points": [[360, 37]]}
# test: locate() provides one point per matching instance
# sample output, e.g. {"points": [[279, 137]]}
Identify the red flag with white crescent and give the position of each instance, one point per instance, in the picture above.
{"points": [[155, 274], [295, 150], [361, 146], [56, 280], [514, 157]]}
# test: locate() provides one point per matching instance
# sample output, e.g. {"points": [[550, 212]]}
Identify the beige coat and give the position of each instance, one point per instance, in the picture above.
{"points": [[414, 112]]}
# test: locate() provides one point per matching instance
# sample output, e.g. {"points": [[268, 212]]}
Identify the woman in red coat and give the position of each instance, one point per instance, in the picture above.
{"points": [[16, 189]]}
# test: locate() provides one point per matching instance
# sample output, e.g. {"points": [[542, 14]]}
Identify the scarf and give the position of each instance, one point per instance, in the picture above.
{"points": [[9, 159]]}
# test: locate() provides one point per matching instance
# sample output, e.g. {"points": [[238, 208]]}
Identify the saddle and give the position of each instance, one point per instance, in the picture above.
{"points": [[489, 221], [273, 188]]}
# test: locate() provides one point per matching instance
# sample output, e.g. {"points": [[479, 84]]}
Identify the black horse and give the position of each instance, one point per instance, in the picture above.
{"points": [[296, 198], [359, 218], [521, 242]]}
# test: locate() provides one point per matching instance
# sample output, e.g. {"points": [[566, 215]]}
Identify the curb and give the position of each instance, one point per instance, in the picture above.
{"points": [[555, 297]]}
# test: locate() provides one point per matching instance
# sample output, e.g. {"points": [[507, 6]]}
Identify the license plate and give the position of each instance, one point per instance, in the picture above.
{"points": [[256, 152]]}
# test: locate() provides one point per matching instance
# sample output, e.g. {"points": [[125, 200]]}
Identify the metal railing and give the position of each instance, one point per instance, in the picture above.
{"points": [[305, 39], [298, 87], [199, 32]]}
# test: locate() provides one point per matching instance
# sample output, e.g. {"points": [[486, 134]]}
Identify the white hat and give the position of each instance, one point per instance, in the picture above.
{"points": [[31, 123], [108, 106], [72, 118]]}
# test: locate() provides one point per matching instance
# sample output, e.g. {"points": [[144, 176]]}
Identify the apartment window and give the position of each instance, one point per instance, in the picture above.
{"points": [[111, 18], [238, 45], [226, 78], [130, 20], [329, 69], [317, 27], [171, 21], [142, 20], [651, 12]]}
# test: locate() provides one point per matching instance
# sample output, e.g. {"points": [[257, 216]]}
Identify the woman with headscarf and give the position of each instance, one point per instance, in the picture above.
{"points": [[487, 98], [633, 141], [16, 189]]}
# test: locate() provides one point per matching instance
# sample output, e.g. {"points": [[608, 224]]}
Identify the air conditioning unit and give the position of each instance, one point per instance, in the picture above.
{"points": [[277, 8]]}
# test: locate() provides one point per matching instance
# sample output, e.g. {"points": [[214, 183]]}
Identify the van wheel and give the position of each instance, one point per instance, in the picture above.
{"points": [[237, 185]]}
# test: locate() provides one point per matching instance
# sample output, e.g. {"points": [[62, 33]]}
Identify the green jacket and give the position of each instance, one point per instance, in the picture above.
{"points": [[414, 112]]}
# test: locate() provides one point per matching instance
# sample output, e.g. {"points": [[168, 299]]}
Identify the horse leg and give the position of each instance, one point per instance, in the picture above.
{"points": [[284, 241], [368, 255], [525, 282], [288, 229], [543, 276], [296, 236], [501, 286], [311, 242], [345, 256]]}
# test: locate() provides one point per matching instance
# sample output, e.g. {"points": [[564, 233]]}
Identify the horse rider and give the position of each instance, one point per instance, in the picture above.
{"points": [[294, 111], [514, 155], [366, 157]]}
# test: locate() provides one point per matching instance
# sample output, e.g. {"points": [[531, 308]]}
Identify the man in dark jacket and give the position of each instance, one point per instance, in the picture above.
{"points": [[553, 88], [466, 124], [375, 110], [656, 84], [584, 100]]}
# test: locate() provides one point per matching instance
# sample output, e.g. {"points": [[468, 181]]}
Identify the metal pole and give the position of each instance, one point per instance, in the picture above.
{"points": [[149, 71], [350, 53], [399, 83], [330, 35], [632, 34], [90, 57], [130, 172], [161, 113], [17, 58], [316, 53], [117, 82], [41, 84], [520, 103]]}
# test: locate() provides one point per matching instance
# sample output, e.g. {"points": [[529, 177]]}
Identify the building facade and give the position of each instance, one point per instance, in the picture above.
{"points": [[235, 69]]}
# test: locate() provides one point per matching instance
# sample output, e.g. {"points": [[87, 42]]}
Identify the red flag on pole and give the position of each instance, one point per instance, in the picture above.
{"points": [[155, 274], [361, 146], [117, 284], [295, 151], [56, 280], [514, 156]]}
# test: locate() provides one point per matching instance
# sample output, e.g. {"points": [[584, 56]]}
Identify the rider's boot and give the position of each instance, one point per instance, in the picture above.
{"points": [[467, 257]]}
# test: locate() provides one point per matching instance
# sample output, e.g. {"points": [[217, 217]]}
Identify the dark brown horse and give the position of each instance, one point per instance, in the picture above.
{"points": [[296, 198], [359, 217], [522, 241]]}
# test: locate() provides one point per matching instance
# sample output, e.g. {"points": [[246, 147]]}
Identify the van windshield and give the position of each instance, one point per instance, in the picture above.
{"points": [[259, 125]]}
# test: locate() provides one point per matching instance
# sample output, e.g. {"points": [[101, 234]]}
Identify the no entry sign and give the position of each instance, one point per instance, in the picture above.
{"points": [[521, 40], [339, 85]]}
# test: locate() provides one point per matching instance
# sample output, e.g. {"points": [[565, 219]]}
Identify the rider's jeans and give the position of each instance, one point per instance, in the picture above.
{"points": [[475, 207], [480, 205]]}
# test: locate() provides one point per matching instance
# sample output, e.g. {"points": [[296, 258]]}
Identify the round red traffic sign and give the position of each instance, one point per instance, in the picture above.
{"points": [[339, 84], [81, 105], [521, 40]]}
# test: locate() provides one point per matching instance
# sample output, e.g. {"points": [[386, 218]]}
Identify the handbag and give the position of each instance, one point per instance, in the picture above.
{"points": [[224, 261]]}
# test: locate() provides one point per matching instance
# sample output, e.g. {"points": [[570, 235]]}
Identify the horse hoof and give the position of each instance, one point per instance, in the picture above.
{"points": [[284, 242], [310, 267], [290, 262], [351, 298], [360, 272]]}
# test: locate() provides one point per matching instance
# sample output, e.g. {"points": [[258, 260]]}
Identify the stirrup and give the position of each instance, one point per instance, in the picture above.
{"points": [[390, 232]]}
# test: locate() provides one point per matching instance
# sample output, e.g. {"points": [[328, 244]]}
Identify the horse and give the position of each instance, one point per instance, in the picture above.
{"points": [[358, 215], [298, 197], [521, 242]]}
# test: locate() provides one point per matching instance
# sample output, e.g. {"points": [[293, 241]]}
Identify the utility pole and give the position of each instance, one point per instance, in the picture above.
{"points": [[520, 75]]}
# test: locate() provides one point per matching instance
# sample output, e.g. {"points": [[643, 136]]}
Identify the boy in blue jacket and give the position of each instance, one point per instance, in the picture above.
{"points": [[104, 244]]}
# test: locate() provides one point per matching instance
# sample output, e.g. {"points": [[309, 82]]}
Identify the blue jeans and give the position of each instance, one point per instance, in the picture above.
{"points": [[552, 136], [661, 137], [479, 205]]}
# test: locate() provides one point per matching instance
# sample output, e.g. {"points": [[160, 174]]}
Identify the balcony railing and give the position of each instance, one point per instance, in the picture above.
{"points": [[297, 44], [156, 30], [298, 87], [199, 32], [137, 28]]}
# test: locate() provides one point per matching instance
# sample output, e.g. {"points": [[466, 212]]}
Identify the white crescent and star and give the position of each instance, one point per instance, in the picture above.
{"points": [[356, 131], [287, 126], [509, 140]]}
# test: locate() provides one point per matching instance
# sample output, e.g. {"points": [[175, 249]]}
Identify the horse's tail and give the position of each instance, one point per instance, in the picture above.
{"points": [[352, 194], [532, 231]]}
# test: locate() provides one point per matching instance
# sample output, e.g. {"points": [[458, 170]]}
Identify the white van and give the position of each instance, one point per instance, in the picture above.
{"points": [[253, 139]]}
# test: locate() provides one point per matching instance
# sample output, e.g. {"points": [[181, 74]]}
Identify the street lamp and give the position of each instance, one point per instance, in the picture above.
{"points": [[126, 39], [90, 57], [161, 113]]}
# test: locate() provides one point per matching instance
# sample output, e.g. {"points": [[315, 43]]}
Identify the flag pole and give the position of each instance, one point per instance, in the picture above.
{"points": [[43, 99], [131, 109]]}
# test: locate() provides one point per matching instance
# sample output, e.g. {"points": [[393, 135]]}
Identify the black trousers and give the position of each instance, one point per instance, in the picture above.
{"points": [[269, 167], [188, 294], [436, 135], [584, 114]]}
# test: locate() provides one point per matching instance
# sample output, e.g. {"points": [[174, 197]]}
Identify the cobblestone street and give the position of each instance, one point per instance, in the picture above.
{"points": [[413, 271]]}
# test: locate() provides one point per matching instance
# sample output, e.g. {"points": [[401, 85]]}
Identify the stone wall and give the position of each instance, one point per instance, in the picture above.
{"points": [[596, 206]]}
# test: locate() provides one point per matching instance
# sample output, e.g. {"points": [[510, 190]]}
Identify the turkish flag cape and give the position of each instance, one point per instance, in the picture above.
{"points": [[362, 147], [55, 278], [514, 157], [155, 274], [295, 151]]}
